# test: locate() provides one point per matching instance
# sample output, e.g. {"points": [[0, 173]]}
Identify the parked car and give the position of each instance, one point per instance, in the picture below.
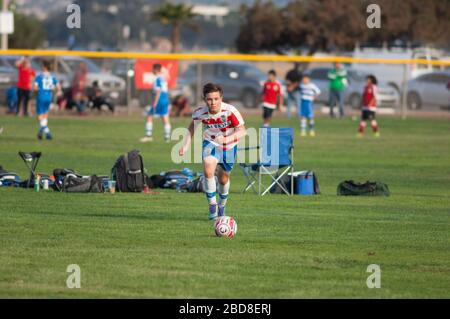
{"points": [[8, 78], [386, 96], [429, 90], [394, 73], [112, 86], [241, 81]]}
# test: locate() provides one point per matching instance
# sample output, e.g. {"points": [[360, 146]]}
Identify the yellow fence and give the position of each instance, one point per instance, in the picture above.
{"points": [[240, 57]]}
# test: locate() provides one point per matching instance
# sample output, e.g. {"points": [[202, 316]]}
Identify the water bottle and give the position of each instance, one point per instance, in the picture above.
{"points": [[45, 186], [36, 183]]}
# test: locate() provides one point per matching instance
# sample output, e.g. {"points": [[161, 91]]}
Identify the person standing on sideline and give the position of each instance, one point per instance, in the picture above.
{"points": [[293, 78], [308, 92], [160, 107], [369, 108], [24, 84], [338, 83], [271, 94]]}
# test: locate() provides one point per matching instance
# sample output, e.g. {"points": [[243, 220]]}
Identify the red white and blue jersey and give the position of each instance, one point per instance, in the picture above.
{"points": [[223, 123]]}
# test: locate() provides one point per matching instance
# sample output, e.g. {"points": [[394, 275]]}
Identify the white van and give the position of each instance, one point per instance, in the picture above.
{"points": [[393, 74]]}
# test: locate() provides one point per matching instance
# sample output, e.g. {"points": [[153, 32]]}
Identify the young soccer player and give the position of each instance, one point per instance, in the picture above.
{"points": [[223, 126], [160, 107], [270, 94], [45, 84], [369, 107], [308, 93]]}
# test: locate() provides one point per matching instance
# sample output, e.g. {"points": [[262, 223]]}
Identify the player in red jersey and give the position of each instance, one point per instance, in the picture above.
{"points": [[369, 106], [223, 127], [270, 94]]}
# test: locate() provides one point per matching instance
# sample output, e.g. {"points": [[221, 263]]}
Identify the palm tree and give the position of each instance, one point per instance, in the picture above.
{"points": [[176, 15]]}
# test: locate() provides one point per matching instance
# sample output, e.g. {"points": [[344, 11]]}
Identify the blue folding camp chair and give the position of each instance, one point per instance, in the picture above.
{"points": [[275, 159]]}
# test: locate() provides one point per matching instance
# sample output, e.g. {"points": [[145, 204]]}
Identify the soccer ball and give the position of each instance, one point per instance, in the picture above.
{"points": [[225, 226]]}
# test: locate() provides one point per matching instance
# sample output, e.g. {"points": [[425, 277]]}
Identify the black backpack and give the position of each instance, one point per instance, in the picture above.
{"points": [[196, 186], [74, 184], [128, 172], [350, 188]]}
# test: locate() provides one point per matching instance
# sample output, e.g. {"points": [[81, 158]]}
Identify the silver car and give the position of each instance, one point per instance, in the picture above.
{"points": [[429, 90], [386, 96]]}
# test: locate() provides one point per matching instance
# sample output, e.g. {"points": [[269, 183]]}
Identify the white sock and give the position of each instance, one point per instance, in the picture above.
{"points": [[223, 193], [149, 128], [303, 124], [210, 190], [43, 122], [167, 129]]}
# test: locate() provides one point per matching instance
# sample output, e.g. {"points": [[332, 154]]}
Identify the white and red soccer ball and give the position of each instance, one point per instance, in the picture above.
{"points": [[225, 226]]}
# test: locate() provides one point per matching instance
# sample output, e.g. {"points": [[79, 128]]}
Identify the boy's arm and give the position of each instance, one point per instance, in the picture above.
{"points": [[158, 94], [187, 138], [239, 132]]}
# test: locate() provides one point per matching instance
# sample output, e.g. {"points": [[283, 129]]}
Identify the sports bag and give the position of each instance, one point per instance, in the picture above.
{"points": [[128, 172], [74, 184], [350, 188]]}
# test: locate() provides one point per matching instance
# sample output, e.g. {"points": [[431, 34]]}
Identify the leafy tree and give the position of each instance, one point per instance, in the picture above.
{"points": [[175, 15]]}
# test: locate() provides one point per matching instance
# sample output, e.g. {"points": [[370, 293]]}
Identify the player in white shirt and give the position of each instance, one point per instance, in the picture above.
{"points": [[308, 92], [223, 127]]}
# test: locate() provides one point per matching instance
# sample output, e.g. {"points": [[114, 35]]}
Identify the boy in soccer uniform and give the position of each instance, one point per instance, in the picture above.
{"points": [[223, 126], [45, 83], [308, 92], [369, 107], [270, 94], [160, 107]]}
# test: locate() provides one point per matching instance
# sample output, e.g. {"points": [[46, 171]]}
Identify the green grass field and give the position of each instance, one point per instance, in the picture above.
{"points": [[163, 246]]}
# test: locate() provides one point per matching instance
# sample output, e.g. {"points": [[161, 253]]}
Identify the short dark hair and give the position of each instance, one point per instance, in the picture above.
{"points": [[373, 79], [272, 72], [210, 88], [157, 67], [46, 64]]}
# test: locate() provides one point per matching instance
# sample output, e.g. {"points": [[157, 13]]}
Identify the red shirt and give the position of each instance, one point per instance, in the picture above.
{"points": [[271, 92], [25, 78], [369, 97]]}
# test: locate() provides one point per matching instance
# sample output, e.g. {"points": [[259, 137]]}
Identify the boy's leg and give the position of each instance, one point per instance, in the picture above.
{"points": [[362, 127], [224, 189], [374, 125], [167, 128], [148, 129], [302, 126], [267, 116], [332, 102], [209, 169], [311, 123]]}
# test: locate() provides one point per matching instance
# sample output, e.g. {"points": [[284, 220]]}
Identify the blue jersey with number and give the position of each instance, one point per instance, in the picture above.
{"points": [[46, 83]]}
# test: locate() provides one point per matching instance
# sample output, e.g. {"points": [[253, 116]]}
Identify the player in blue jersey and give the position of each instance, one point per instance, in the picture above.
{"points": [[308, 92], [45, 84], [160, 107]]}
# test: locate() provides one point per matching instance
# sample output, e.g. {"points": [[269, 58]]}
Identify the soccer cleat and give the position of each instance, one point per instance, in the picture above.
{"points": [[303, 134], [221, 211], [146, 139], [377, 134], [312, 133], [39, 136], [1, 130], [212, 212], [360, 135], [49, 136]]}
